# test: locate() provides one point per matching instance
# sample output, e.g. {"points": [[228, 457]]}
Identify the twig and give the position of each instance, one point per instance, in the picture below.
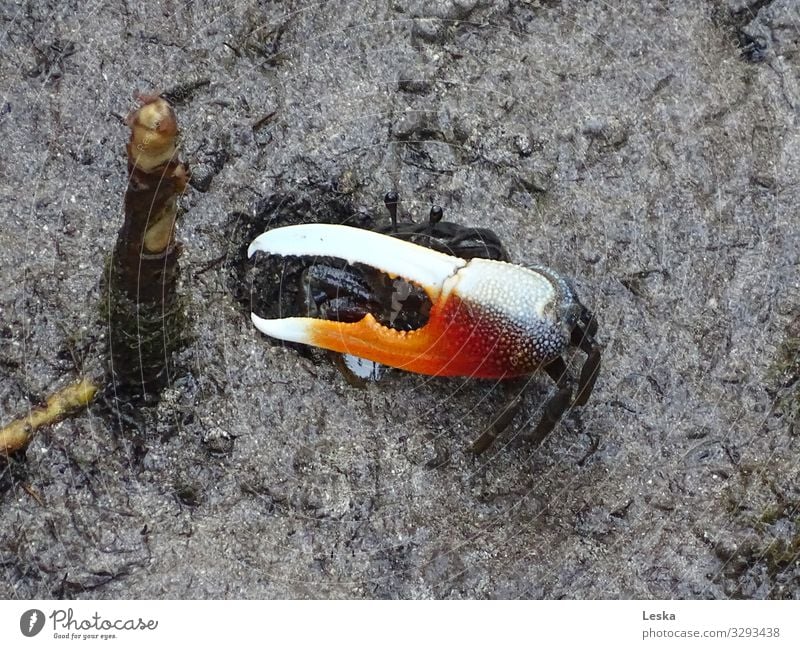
{"points": [[59, 405]]}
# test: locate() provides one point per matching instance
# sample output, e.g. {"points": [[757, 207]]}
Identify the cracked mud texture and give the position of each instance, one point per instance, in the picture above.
{"points": [[649, 150]]}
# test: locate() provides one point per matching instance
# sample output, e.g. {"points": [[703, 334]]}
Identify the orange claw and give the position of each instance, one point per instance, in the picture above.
{"points": [[448, 345], [488, 319]]}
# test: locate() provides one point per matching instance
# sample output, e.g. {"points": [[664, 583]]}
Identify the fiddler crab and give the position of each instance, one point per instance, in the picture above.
{"points": [[439, 299]]}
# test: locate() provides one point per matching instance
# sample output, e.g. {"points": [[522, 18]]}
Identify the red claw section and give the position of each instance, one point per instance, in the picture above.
{"points": [[459, 339]]}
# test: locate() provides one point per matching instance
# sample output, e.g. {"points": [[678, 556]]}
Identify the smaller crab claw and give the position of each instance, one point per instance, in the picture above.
{"points": [[488, 319]]}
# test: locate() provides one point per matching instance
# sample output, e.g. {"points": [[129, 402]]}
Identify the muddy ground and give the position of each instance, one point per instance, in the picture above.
{"points": [[650, 150]]}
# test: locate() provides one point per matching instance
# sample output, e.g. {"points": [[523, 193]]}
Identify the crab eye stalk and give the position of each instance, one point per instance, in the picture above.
{"points": [[391, 201], [436, 215]]}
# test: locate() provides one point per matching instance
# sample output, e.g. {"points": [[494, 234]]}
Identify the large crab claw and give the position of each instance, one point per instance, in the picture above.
{"points": [[488, 319]]}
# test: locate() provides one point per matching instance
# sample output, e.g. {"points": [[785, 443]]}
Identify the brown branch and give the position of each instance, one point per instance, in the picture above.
{"points": [[59, 405], [145, 322]]}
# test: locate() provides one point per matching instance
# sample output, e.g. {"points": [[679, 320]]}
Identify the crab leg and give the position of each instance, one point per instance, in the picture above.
{"points": [[487, 318]]}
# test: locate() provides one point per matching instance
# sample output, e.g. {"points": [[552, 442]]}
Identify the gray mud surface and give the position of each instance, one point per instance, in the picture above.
{"points": [[649, 150]]}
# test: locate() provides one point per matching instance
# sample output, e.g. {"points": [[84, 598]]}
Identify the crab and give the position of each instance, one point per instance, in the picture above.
{"points": [[438, 299]]}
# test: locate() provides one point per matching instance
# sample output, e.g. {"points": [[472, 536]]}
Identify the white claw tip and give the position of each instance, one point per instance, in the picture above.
{"points": [[296, 330]]}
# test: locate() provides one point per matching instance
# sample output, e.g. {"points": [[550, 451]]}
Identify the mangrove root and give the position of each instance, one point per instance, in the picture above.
{"points": [[145, 314]]}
